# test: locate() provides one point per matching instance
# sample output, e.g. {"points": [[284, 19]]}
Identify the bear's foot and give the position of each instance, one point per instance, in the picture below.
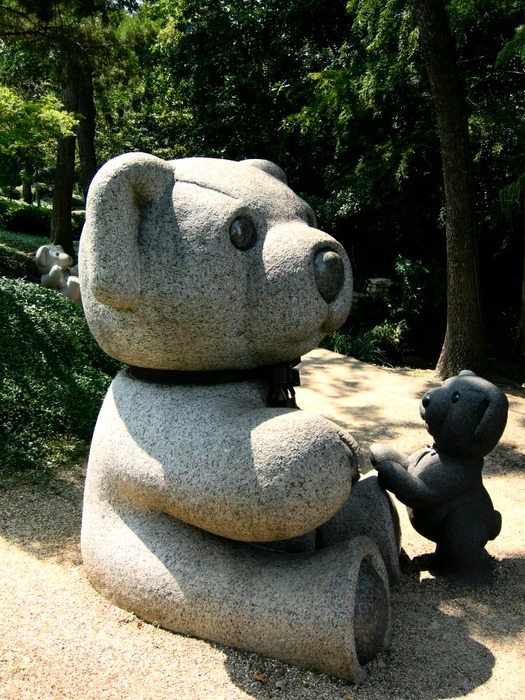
{"points": [[471, 573], [432, 563]]}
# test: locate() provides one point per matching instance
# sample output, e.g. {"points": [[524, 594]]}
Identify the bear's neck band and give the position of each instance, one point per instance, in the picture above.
{"points": [[281, 377]]}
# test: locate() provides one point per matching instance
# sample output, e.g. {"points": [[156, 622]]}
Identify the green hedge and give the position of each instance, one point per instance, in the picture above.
{"points": [[54, 377], [17, 255], [28, 218], [17, 264]]}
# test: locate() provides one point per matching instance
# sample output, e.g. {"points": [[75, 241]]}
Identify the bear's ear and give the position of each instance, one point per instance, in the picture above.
{"points": [[268, 167], [41, 258], [494, 418], [467, 373], [119, 191]]}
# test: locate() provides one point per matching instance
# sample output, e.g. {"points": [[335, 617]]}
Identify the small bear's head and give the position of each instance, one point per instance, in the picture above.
{"points": [[47, 256], [200, 264], [466, 415]]}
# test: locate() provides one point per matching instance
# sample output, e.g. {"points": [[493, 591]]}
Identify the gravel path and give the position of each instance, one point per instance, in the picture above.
{"points": [[60, 639]]}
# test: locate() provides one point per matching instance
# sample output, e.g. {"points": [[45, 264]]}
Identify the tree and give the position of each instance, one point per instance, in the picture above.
{"points": [[69, 37], [465, 343], [513, 55], [29, 131], [342, 101]]}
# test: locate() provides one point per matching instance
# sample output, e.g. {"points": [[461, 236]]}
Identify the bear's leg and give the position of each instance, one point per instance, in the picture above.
{"points": [[368, 511], [434, 563], [328, 609], [461, 550]]}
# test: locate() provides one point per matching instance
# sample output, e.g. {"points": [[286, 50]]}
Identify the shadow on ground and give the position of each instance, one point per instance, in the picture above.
{"points": [[433, 652], [442, 635], [45, 520]]}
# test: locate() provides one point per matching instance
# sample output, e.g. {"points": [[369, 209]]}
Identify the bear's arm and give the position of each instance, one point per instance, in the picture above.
{"points": [[254, 475], [382, 453], [409, 489]]}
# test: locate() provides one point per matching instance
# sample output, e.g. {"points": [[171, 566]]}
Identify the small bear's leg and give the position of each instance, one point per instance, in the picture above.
{"points": [[434, 563], [461, 549]]}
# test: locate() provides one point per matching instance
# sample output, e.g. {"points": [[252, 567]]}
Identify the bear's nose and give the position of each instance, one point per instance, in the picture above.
{"points": [[329, 273], [426, 400]]}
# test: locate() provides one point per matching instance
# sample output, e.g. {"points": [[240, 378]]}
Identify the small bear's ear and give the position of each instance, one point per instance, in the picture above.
{"points": [[118, 193], [467, 373], [494, 418], [268, 167]]}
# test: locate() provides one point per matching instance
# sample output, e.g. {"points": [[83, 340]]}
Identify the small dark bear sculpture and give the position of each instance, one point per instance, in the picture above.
{"points": [[442, 485]]}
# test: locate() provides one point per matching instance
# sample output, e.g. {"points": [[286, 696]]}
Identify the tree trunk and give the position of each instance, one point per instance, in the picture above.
{"points": [[36, 186], [86, 128], [465, 345], [519, 344], [61, 230], [27, 193]]}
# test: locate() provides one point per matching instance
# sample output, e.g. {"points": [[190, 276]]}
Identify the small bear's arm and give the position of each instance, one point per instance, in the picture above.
{"points": [[409, 489], [383, 453]]}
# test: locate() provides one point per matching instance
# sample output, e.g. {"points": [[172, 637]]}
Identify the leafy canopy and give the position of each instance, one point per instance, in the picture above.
{"points": [[29, 131]]}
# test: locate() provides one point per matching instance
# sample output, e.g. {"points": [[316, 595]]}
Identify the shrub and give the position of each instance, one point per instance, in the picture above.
{"points": [[363, 347], [374, 346], [33, 220], [16, 263], [25, 218], [17, 255], [54, 377], [78, 219], [22, 242]]}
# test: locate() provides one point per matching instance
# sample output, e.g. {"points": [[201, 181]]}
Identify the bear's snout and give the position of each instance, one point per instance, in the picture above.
{"points": [[329, 273]]}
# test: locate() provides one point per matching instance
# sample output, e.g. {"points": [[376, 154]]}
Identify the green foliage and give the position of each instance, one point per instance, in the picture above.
{"points": [[17, 264], [17, 255], [403, 325], [24, 243], [25, 218], [512, 195], [515, 48], [29, 132], [416, 287], [54, 376], [372, 346], [33, 220]]}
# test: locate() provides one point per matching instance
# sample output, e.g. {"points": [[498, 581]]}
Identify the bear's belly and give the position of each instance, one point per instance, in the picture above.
{"points": [[218, 459]]}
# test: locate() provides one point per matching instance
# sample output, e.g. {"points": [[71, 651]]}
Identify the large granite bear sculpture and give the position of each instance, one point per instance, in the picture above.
{"points": [[442, 484], [213, 506]]}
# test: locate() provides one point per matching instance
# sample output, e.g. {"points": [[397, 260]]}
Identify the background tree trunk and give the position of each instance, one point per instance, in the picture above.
{"points": [[465, 344], [27, 192], [519, 344], [86, 127], [61, 231]]}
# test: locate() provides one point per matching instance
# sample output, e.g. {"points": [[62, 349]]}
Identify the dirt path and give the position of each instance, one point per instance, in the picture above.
{"points": [[60, 639]]}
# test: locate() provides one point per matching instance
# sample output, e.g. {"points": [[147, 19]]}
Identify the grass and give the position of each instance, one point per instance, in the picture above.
{"points": [[53, 379]]}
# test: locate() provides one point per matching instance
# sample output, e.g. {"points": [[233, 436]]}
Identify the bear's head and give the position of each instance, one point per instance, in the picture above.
{"points": [[466, 415], [47, 256], [201, 264]]}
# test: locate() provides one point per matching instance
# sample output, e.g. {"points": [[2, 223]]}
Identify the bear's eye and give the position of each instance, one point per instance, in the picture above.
{"points": [[243, 233], [455, 397]]}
